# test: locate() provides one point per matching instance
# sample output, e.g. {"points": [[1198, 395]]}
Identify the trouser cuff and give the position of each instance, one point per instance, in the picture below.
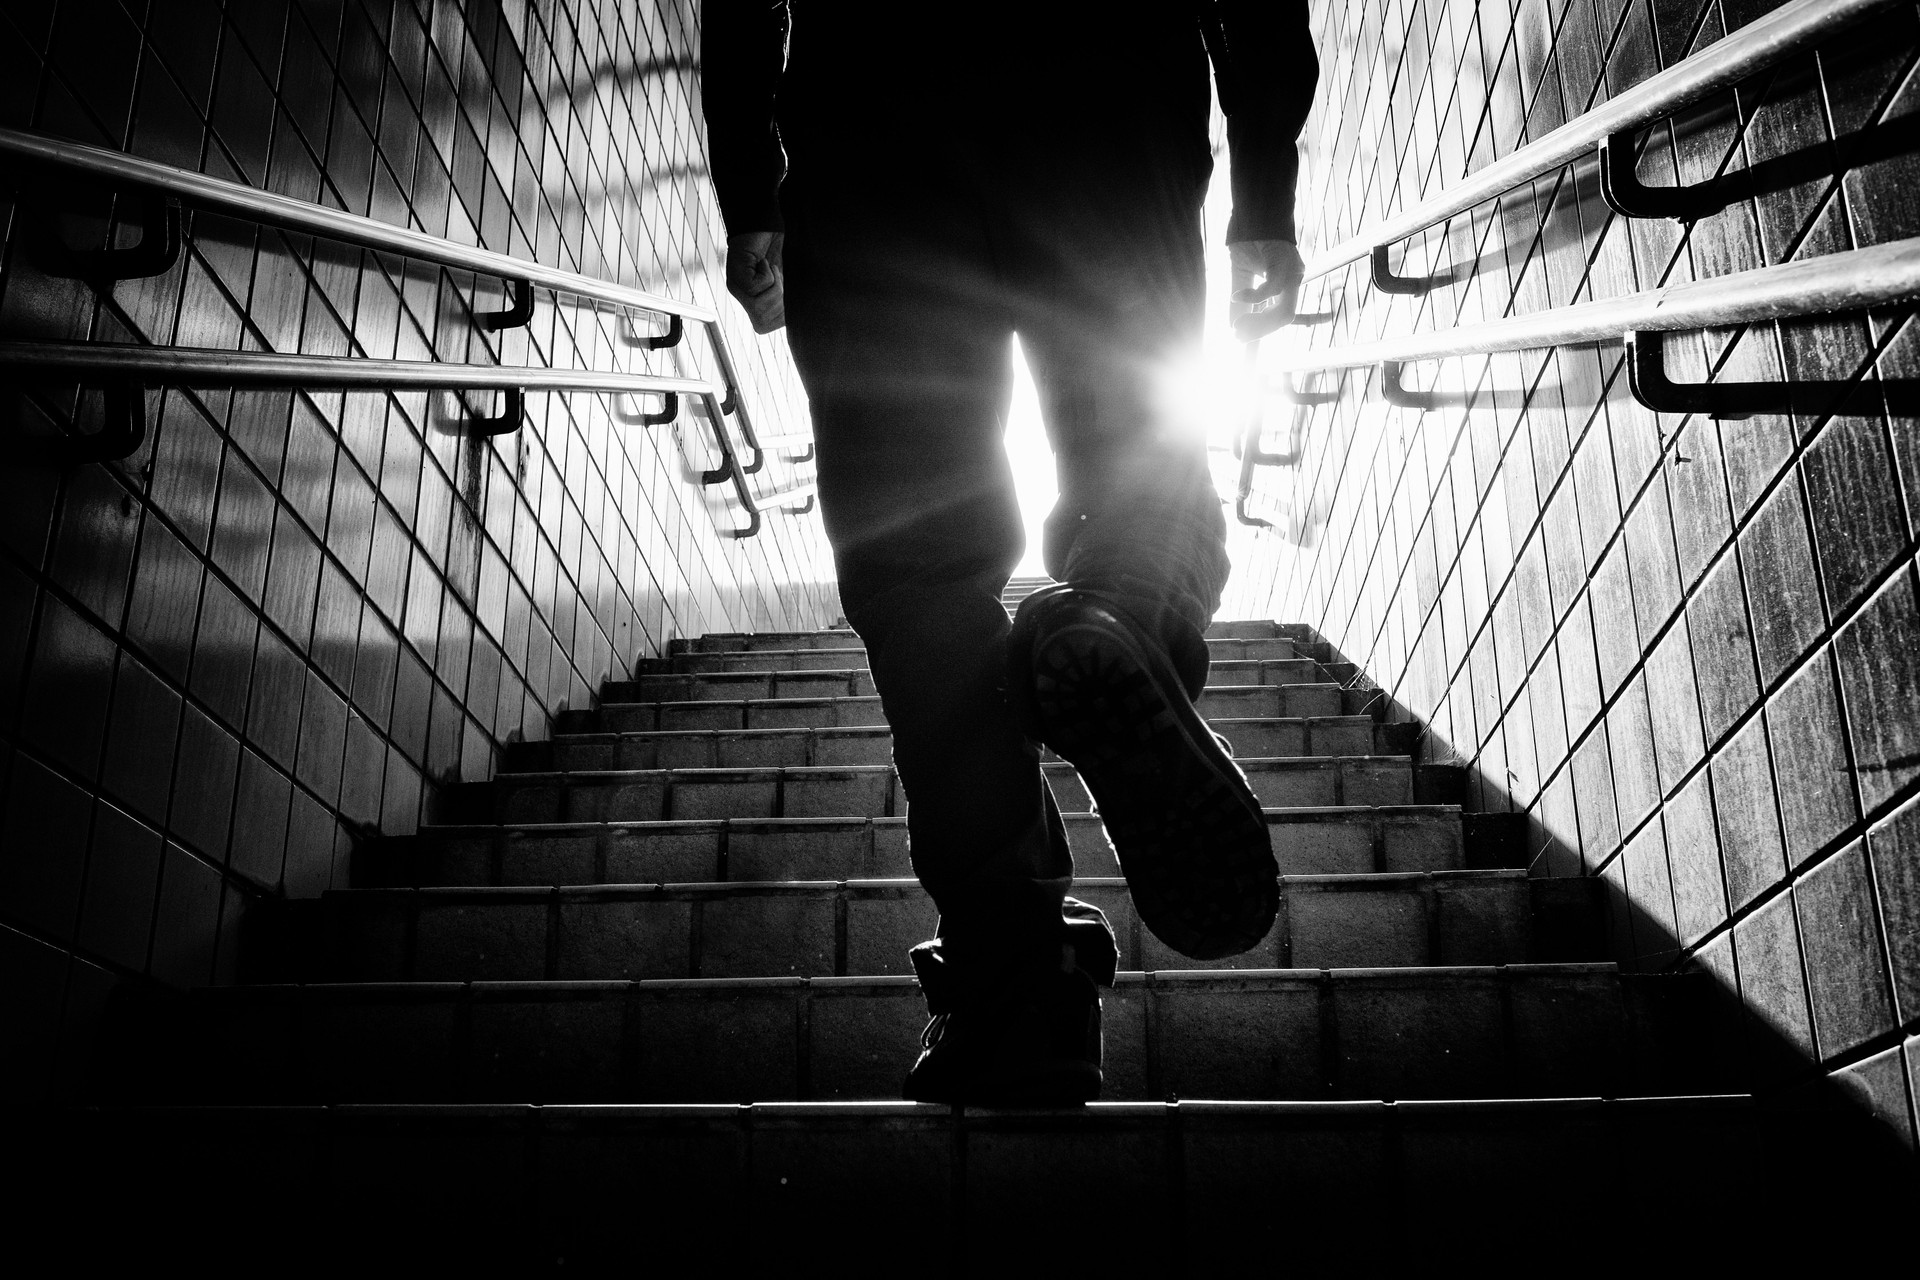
{"points": [[949, 981]]}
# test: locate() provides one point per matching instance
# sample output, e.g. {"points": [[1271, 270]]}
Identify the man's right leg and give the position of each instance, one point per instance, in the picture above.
{"points": [[1109, 664]]}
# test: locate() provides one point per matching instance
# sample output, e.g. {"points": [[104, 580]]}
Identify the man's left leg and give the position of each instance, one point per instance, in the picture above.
{"points": [[906, 357]]}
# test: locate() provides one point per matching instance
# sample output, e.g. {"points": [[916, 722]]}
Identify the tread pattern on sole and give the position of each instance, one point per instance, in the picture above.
{"points": [[1188, 831]]}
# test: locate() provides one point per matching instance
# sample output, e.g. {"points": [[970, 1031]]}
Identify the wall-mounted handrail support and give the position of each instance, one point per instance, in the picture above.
{"points": [[1648, 381], [158, 248], [1394, 390], [676, 329], [1386, 281], [1626, 195], [669, 410], [513, 413], [514, 317], [126, 425]]}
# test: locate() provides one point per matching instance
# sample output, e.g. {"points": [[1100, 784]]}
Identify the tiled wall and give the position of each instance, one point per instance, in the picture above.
{"points": [[288, 617], [1689, 649]]}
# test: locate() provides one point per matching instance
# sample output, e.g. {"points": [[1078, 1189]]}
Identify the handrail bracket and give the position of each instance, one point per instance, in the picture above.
{"points": [[1648, 381], [1394, 390], [1626, 195], [1386, 281], [512, 415], [676, 329], [154, 255], [514, 317], [668, 411]]}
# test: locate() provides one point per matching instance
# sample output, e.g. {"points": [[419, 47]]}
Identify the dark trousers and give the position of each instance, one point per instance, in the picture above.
{"points": [[903, 293]]}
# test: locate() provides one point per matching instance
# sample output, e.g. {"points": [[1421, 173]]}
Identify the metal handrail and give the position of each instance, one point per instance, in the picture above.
{"points": [[1846, 281], [1786, 31], [217, 195], [125, 369], [203, 367], [1853, 280], [182, 186]]}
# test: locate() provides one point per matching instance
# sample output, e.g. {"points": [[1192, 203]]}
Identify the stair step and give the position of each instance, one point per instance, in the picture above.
{"points": [[761, 681], [1272, 701], [722, 748], [650, 795], [1517, 1030], [862, 791], [743, 929], [1310, 841], [732, 686], [1283, 782], [1363, 1186], [873, 744], [766, 641], [1248, 629], [744, 713], [1239, 702], [710, 662], [731, 655]]}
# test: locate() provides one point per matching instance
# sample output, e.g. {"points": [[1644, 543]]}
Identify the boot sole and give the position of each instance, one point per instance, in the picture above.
{"points": [[1190, 835], [1068, 1083]]}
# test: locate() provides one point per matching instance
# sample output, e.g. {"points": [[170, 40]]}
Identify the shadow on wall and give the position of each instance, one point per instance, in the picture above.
{"points": [[1727, 1045], [1795, 958]]}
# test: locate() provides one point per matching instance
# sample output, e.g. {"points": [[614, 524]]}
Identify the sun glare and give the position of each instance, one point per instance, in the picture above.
{"points": [[1208, 394], [1032, 461]]}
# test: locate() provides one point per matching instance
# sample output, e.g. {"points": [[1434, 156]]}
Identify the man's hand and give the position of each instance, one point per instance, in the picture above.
{"points": [[757, 279], [1266, 286]]}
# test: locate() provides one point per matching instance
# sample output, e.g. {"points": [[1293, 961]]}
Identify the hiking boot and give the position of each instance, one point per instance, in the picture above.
{"points": [[1035, 1043], [1191, 838]]}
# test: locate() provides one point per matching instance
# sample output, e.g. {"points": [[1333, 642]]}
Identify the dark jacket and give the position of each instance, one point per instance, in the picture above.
{"points": [[833, 94]]}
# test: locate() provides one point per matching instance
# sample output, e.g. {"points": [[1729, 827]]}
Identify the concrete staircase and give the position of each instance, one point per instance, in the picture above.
{"points": [[646, 991]]}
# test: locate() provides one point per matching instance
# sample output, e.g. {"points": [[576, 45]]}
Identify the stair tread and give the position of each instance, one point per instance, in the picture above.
{"points": [[631, 928], [881, 730], [1092, 1115], [713, 772], [1236, 666], [904, 884], [1274, 813], [849, 643], [1410, 975], [1541, 1030]]}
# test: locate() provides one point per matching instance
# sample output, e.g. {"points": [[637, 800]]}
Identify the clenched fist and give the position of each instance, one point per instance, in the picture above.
{"points": [[1266, 286], [756, 278]]}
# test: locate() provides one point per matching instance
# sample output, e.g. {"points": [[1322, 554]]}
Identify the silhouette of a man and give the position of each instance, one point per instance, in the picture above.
{"points": [[905, 187]]}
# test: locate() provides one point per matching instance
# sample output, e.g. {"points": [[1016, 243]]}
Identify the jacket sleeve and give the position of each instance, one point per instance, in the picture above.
{"points": [[1266, 74], [742, 53]]}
